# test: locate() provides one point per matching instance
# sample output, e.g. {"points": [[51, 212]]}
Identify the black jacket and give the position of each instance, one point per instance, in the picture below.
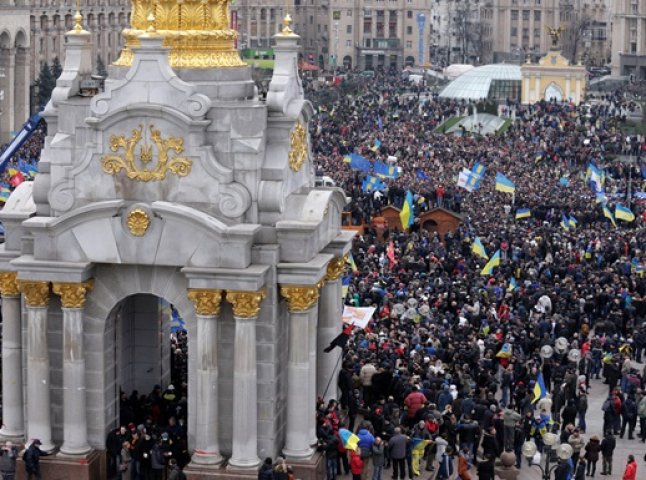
{"points": [[608, 445]]}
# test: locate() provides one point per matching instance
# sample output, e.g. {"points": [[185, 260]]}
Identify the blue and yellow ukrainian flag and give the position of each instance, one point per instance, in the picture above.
{"points": [[523, 213], [352, 263], [539, 388], [503, 184], [565, 222], [608, 214], [624, 213], [478, 248], [370, 184], [493, 262], [572, 222], [513, 285], [345, 286], [479, 169], [375, 146], [383, 170], [407, 213]]}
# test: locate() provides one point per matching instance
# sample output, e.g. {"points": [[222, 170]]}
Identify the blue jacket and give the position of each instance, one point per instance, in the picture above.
{"points": [[365, 440]]}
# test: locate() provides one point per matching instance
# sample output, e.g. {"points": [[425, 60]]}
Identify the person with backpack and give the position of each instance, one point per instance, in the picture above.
{"points": [[628, 416], [31, 457]]}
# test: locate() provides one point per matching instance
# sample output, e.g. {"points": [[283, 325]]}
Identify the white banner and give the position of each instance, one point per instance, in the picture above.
{"points": [[357, 316]]}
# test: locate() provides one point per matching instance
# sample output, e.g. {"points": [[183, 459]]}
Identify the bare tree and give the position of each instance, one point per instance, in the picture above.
{"points": [[577, 22], [467, 30]]}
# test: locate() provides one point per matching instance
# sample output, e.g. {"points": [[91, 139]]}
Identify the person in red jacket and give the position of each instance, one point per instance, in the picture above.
{"points": [[631, 469], [356, 465], [413, 402]]}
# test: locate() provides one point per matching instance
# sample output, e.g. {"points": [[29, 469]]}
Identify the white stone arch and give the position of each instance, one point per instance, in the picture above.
{"points": [[112, 284], [554, 91]]}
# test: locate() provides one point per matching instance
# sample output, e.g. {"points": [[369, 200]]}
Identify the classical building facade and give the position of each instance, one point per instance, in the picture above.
{"points": [[519, 27], [179, 183], [371, 34], [629, 38]]}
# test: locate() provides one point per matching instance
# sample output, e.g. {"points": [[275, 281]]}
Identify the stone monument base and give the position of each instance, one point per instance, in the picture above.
{"points": [[312, 469], [61, 467]]}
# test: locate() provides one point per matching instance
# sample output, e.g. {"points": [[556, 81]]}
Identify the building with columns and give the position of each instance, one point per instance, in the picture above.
{"points": [[178, 183], [370, 34], [629, 38], [517, 28]]}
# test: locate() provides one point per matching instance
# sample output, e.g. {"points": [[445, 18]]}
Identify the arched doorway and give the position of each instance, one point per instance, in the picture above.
{"points": [[410, 61], [430, 225], [347, 62]]}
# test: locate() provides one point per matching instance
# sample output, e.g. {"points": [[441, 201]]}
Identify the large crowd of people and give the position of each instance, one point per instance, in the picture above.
{"points": [[451, 357]]}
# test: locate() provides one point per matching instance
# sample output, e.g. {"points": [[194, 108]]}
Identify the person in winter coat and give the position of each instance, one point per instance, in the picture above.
{"points": [[510, 417], [8, 456], [562, 471], [628, 416], [579, 470], [378, 458], [281, 469], [445, 469], [413, 402], [31, 457], [592, 449], [608, 445], [175, 472], [486, 469], [397, 451], [641, 412], [463, 465], [576, 442], [366, 440], [356, 465], [631, 469], [331, 456], [266, 471], [126, 461]]}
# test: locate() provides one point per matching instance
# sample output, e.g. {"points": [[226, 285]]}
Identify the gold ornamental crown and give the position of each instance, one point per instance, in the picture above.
{"points": [[197, 32]]}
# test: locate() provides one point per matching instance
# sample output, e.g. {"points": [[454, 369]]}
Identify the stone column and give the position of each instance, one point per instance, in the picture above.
{"points": [[74, 391], [39, 424], [207, 308], [329, 326], [312, 326], [13, 427], [300, 407], [246, 306]]}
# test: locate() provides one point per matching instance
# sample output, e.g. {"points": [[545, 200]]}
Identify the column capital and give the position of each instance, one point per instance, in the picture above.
{"points": [[73, 295], [36, 293], [206, 301], [8, 284], [300, 297], [245, 304], [335, 269]]}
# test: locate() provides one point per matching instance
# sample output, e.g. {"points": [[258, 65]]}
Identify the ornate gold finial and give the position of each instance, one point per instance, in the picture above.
{"points": [[113, 164], [335, 269], [245, 304], [78, 20], [298, 147], [287, 29], [9, 284], [555, 33], [72, 294], [197, 32], [36, 293], [206, 301], [299, 297]]}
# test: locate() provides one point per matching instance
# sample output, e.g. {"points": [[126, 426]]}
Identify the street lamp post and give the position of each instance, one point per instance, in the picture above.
{"points": [[553, 453]]}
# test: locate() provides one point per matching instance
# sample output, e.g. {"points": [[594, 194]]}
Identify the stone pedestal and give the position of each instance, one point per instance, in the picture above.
{"points": [[61, 467]]}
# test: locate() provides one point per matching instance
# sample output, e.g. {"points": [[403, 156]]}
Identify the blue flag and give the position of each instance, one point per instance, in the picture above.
{"points": [[357, 162], [564, 181], [370, 184], [383, 170], [421, 175]]}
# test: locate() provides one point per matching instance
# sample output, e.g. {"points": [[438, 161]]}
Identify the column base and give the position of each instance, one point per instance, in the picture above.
{"points": [[243, 464], [217, 472], [300, 455], [74, 451], [309, 469], [89, 467], [12, 436], [206, 458]]}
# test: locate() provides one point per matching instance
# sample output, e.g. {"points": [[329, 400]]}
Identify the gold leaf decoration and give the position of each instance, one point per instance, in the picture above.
{"points": [[298, 147], [138, 222], [113, 164]]}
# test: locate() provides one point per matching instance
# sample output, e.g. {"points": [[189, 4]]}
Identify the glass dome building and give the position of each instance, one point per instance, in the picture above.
{"points": [[497, 82]]}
